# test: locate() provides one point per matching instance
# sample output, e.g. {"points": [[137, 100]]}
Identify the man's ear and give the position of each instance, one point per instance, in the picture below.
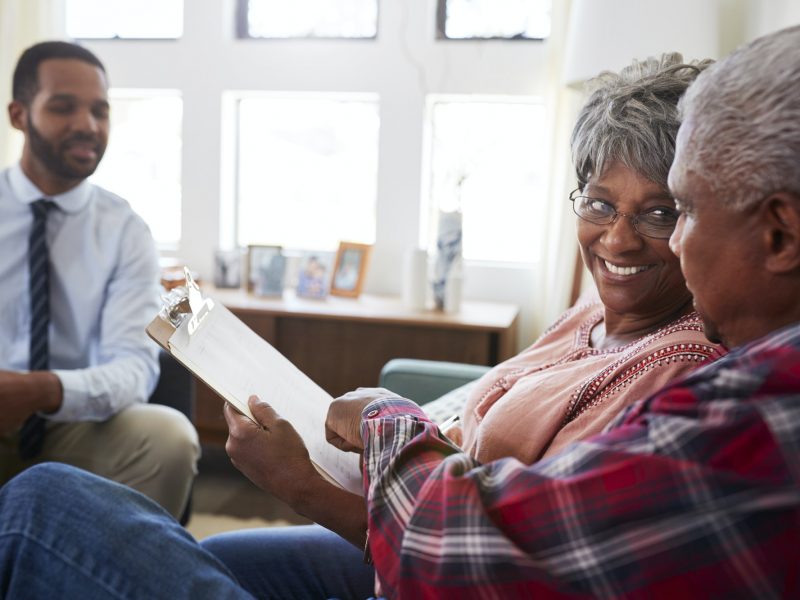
{"points": [[17, 115], [782, 232]]}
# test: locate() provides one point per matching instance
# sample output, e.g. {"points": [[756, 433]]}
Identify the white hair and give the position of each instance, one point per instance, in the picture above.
{"points": [[631, 117], [744, 114]]}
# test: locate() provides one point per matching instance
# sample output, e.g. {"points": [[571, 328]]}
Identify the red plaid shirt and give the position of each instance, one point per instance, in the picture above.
{"points": [[692, 493]]}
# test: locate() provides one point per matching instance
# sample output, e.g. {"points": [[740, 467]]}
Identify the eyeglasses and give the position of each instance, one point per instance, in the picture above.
{"points": [[657, 222]]}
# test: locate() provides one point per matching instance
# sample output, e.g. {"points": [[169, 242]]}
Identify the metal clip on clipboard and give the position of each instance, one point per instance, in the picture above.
{"points": [[186, 300], [180, 303]]}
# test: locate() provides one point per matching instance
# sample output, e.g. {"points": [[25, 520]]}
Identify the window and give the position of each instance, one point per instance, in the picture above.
{"points": [[307, 169], [503, 19], [307, 18], [124, 19], [143, 160], [487, 158]]}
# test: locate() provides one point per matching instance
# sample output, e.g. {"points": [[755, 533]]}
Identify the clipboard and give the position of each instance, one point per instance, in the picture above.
{"points": [[235, 362]]}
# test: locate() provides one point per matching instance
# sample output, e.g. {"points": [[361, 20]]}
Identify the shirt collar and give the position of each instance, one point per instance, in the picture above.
{"points": [[26, 192]]}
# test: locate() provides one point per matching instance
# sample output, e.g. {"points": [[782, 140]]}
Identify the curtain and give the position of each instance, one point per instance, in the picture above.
{"points": [[558, 246], [22, 23]]}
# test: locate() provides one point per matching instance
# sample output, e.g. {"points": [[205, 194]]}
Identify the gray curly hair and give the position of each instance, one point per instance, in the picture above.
{"points": [[745, 121], [631, 117]]}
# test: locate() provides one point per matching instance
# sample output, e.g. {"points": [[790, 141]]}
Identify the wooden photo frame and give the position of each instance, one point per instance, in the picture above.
{"points": [[350, 269], [266, 268]]}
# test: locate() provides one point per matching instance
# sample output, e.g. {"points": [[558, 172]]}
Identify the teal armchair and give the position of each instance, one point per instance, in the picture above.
{"points": [[439, 387]]}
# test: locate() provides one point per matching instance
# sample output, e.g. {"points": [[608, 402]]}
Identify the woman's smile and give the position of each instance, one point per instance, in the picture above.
{"points": [[624, 270]]}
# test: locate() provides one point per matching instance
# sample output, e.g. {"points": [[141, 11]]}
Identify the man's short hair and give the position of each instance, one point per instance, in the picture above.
{"points": [[744, 114], [26, 74]]}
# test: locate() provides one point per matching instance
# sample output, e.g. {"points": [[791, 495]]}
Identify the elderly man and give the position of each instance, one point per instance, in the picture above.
{"points": [[694, 491]]}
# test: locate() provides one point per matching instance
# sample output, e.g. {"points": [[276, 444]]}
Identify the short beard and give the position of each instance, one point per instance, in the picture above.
{"points": [[51, 157]]}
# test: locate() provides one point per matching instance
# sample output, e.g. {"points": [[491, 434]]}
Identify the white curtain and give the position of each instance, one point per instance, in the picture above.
{"points": [[558, 246], [22, 23]]}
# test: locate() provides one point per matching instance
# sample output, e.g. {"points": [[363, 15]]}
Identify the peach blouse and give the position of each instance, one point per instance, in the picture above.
{"points": [[560, 389]]}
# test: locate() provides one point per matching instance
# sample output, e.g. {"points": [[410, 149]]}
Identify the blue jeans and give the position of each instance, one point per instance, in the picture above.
{"points": [[294, 562], [65, 533]]}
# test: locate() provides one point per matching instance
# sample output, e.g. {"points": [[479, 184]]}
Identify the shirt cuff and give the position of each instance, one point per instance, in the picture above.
{"points": [[392, 406], [387, 425], [74, 397]]}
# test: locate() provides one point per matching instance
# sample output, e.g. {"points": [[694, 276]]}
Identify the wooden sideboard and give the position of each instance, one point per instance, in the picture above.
{"points": [[342, 343]]}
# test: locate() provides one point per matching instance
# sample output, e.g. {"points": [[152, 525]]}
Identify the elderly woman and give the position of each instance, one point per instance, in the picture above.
{"points": [[599, 357]]}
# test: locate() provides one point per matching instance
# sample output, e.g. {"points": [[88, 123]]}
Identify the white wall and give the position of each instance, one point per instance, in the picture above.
{"points": [[402, 65], [765, 16]]}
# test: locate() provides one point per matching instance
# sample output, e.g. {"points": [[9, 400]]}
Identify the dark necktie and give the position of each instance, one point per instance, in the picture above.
{"points": [[32, 434]]}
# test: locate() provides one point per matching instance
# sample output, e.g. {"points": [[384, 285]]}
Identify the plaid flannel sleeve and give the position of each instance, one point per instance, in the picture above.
{"points": [[608, 518]]}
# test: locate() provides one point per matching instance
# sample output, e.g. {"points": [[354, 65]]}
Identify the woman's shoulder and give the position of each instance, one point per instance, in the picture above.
{"points": [[683, 334], [586, 312]]}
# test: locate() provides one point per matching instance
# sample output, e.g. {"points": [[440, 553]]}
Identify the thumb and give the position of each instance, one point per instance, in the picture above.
{"points": [[263, 412]]}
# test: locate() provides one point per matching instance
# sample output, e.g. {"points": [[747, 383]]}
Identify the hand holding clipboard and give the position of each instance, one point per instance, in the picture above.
{"points": [[236, 363]]}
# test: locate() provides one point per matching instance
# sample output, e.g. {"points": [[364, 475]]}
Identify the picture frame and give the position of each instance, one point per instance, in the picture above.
{"points": [[350, 269], [266, 270], [314, 274], [228, 268]]}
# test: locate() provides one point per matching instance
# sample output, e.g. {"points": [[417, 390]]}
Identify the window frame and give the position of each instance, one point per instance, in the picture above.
{"points": [[429, 206], [441, 35], [124, 93], [116, 38], [242, 30], [230, 211]]}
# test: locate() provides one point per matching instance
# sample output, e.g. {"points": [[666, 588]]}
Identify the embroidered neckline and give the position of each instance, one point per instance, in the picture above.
{"points": [[582, 346], [592, 392]]}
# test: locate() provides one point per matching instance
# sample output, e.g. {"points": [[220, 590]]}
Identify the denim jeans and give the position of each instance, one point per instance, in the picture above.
{"points": [[65, 533], [294, 562]]}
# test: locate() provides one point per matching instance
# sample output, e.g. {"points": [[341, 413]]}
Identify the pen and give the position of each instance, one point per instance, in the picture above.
{"points": [[449, 423]]}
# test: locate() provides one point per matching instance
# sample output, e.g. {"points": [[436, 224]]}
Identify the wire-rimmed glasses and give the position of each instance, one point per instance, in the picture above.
{"points": [[657, 222]]}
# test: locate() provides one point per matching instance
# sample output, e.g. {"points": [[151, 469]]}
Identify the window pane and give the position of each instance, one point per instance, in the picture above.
{"points": [[308, 170], [528, 19], [310, 18], [124, 19], [143, 160], [487, 158]]}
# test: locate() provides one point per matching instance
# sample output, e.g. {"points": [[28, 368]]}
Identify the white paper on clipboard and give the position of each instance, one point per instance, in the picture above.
{"points": [[236, 363]]}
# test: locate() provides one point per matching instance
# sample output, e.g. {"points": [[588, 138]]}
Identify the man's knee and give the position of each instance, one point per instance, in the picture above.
{"points": [[38, 479], [172, 433], [161, 455], [165, 435], [42, 485]]}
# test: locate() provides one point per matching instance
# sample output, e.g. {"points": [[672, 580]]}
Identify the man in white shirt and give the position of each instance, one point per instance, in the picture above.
{"points": [[80, 281]]}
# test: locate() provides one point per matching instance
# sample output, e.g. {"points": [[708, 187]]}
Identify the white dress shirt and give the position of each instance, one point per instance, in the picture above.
{"points": [[104, 290]]}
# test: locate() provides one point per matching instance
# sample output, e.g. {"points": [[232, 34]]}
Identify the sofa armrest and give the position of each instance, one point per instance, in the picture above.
{"points": [[426, 380]]}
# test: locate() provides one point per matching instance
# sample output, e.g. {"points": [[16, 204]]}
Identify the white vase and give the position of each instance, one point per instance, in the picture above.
{"points": [[448, 264]]}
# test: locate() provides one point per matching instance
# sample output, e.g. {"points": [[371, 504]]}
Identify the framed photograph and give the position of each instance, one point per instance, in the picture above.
{"points": [[266, 267], [350, 269], [314, 274], [228, 268]]}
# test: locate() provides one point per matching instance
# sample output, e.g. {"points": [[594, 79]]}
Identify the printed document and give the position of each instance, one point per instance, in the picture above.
{"points": [[237, 363]]}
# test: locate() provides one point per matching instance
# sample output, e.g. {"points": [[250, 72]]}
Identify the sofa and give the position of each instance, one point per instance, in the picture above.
{"points": [[440, 388]]}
